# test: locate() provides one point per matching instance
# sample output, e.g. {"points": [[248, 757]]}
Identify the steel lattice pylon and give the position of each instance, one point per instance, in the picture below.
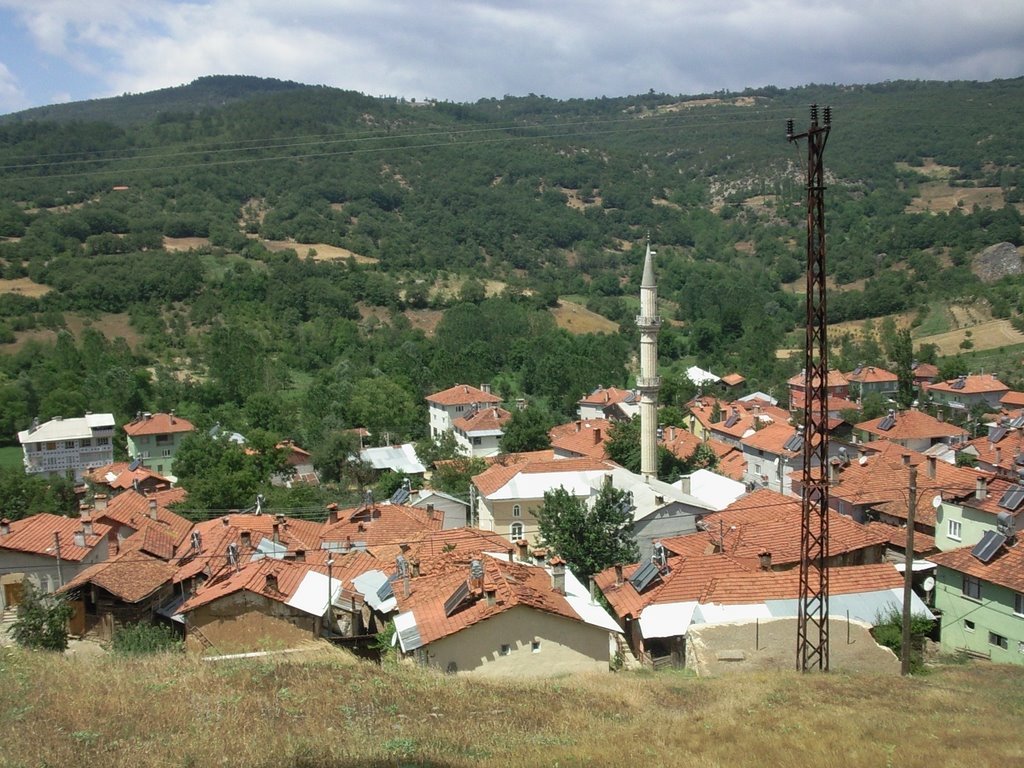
{"points": [[812, 622]]}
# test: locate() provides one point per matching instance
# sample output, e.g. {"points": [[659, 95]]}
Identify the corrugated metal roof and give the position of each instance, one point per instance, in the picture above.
{"points": [[407, 633], [67, 429], [666, 619], [311, 594]]}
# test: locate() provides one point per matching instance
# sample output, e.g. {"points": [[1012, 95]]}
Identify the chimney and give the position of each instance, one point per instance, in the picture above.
{"points": [[246, 537], [618, 574], [332, 513], [999, 455], [939, 415], [272, 581], [277, 532], [87, 526], [931, 467], [99, 502], [152, 510], [226, 521], [906, 459], [980, 489], [593, 590], [5, 527], [430, 511], [511, 555], [597, 435], [172, 417], [414, 567], [558, 575], [490, 594], [79, 538], [684, 484], [485, 388], [300, 555], [524, 550], [765, 559]]}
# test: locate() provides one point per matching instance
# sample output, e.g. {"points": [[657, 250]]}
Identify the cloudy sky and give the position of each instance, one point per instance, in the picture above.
{"points": [[66, 50]]}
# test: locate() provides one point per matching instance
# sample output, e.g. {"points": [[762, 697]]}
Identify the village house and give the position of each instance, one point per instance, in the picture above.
{"points": [[580, 439], [772, 455], [300, 467], [965, 392], [912, 429], [682, 443], [68, 447], [112, 479], [454, 511], [154, 438], [838, 388], [1001, 451], [374, 523], [924, 374], [394, 458], [867, 380], [48, 551], [455, 402], [130, 512], [499, 618], [733, 381], [964, 520], [729, 423], [1012, 402], [980, 594], [609, 403], [478, 432]]}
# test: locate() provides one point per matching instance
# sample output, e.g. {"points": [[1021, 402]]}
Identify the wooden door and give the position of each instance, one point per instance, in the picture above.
{"points": [[12, 594]]}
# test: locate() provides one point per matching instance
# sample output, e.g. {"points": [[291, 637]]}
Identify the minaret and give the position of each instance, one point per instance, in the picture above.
{"points": [[648, 382]]}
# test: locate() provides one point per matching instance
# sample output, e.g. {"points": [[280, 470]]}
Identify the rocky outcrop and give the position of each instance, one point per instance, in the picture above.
{"points": [[998, 261]]}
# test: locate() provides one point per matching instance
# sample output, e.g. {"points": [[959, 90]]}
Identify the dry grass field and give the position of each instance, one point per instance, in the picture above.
{"points": [[576, 318], [940, 197], [324, 252], [425, 320], [110, 325], [185, 243], [174, 711], [24, 287]]}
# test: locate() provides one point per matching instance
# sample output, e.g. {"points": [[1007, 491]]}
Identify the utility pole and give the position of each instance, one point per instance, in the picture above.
{"points": [[56, 548], [908, 575], [812, 621]]}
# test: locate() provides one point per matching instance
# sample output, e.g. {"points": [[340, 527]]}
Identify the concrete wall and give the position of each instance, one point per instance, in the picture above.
{"points": [[673, 520], [993, 612], [245, 621], [42, 571], [566, 646]]}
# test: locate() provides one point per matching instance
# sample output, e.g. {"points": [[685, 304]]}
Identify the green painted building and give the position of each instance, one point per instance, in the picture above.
{"points": [[153, 439]]}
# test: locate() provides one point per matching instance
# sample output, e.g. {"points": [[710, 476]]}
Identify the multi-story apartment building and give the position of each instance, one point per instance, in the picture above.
{"points": [[68, 447]]}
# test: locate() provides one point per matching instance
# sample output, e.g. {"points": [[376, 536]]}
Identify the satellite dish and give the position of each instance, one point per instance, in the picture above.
{"points": [[928, 583], [937, 501], [862, 460]]}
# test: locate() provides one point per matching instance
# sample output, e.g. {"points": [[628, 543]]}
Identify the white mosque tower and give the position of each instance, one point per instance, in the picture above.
{"points": [[648, 382]]}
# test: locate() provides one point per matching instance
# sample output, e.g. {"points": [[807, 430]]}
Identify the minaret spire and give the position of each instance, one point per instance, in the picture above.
{"points": [[648, 382]]}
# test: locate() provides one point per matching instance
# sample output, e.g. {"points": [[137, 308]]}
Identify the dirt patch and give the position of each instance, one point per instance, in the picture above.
{"points": [[940, 197], [576, 318], [574, 200], [22, 286], [425, 320], [798, 285], [987, 335], [929, 168], [323, 251], [110, 325], [769, 645], [666, 203], [185, 243]]}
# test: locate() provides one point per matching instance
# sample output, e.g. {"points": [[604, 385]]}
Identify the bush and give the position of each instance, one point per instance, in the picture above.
{"points": [[140, 639], [42, 621], [888, 631]]}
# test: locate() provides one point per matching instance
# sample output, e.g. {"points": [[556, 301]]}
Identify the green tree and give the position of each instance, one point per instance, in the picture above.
{"points": [[527, 430], [900, 350], [454, 475], [337, 458], [623, 447], [217, 472], [590, 537], [42, 621]]}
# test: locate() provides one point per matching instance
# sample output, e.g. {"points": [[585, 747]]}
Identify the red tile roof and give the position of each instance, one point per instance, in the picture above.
{"points": [[482, 420], [869, 374], [253, 577], [133, 510], [1012, 399], [1009, 447], [497, 476], [924, 544], [35, 535], [157, 424], [772, 438], [733, 379], [382, 523], [974, 384], [583, 438], [602, 397], [131, 575], [462, 394], [925, 371], [118, 476], [431, 548], [513, 584], [836, 379], [911, 425], [1006, 568]]}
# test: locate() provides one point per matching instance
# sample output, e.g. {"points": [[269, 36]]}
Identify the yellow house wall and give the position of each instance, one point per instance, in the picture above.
{"points": [[566, 646], [245, 622], [500, 518]]}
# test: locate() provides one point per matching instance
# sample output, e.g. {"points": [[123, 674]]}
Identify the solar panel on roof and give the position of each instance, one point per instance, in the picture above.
{"points": [[458, 597], [1012, 498], [887, 423], [644, 575], [990, 543], [400, 496], [958, 384], [795, 443], [1018, 422], [135, 465], [857, 370], [997, 434], [731, 421], [387, 590]]}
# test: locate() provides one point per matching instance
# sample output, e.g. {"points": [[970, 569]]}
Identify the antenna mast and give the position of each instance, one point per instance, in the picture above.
{"points": [[812, 621]]}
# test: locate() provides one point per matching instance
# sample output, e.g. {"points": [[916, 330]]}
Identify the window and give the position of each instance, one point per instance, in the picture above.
{"points": [[954, 530], [506, 649], [516, 531], [86, 443], [102, 441], [998, 640], [164, 439], [517, 511], [535, 646], [51, 446], [69, 445], [1018, 604], [458, 408], [165, 452], [968, 625], [972, 587], [477, 440]]}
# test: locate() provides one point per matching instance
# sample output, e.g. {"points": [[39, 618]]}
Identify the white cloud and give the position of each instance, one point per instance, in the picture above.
{"points": [[467, 49], [11, 96]]}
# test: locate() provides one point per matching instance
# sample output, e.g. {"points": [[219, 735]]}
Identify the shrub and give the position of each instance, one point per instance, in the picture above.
{"points": [[42, 621], [140, 639], [888, 631]]}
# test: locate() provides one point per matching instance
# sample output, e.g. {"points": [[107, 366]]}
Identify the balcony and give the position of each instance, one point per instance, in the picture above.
{"points": [[648, 382], [645, 321]]}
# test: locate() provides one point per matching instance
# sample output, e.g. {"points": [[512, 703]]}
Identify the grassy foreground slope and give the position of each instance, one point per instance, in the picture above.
{"points": [[174, 711]]}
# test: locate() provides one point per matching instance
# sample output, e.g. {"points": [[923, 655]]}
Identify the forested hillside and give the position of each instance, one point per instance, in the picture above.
{"points": [[296, 260]]}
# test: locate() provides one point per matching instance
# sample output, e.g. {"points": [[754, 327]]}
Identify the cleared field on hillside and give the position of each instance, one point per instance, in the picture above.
{"points": [[425, 320], [22, 286], [576, 318], [324, 252], [11, 456], [185, 243], [940, 197], [110, 325]]}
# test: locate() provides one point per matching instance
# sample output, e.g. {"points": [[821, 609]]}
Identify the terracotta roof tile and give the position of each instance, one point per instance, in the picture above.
{"points": [[379, 524], [733, 379], [130, 575], [35, 535], [158, 424], [482, 420], [602, 397], [772, 438], [582, 438], [133, 510], [1012, 399], [974, 384], [497, 476], [911, 425], [1006, 568], [462, 394], [869, 374], [835, 379], [117, 476], [253, 577]]}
